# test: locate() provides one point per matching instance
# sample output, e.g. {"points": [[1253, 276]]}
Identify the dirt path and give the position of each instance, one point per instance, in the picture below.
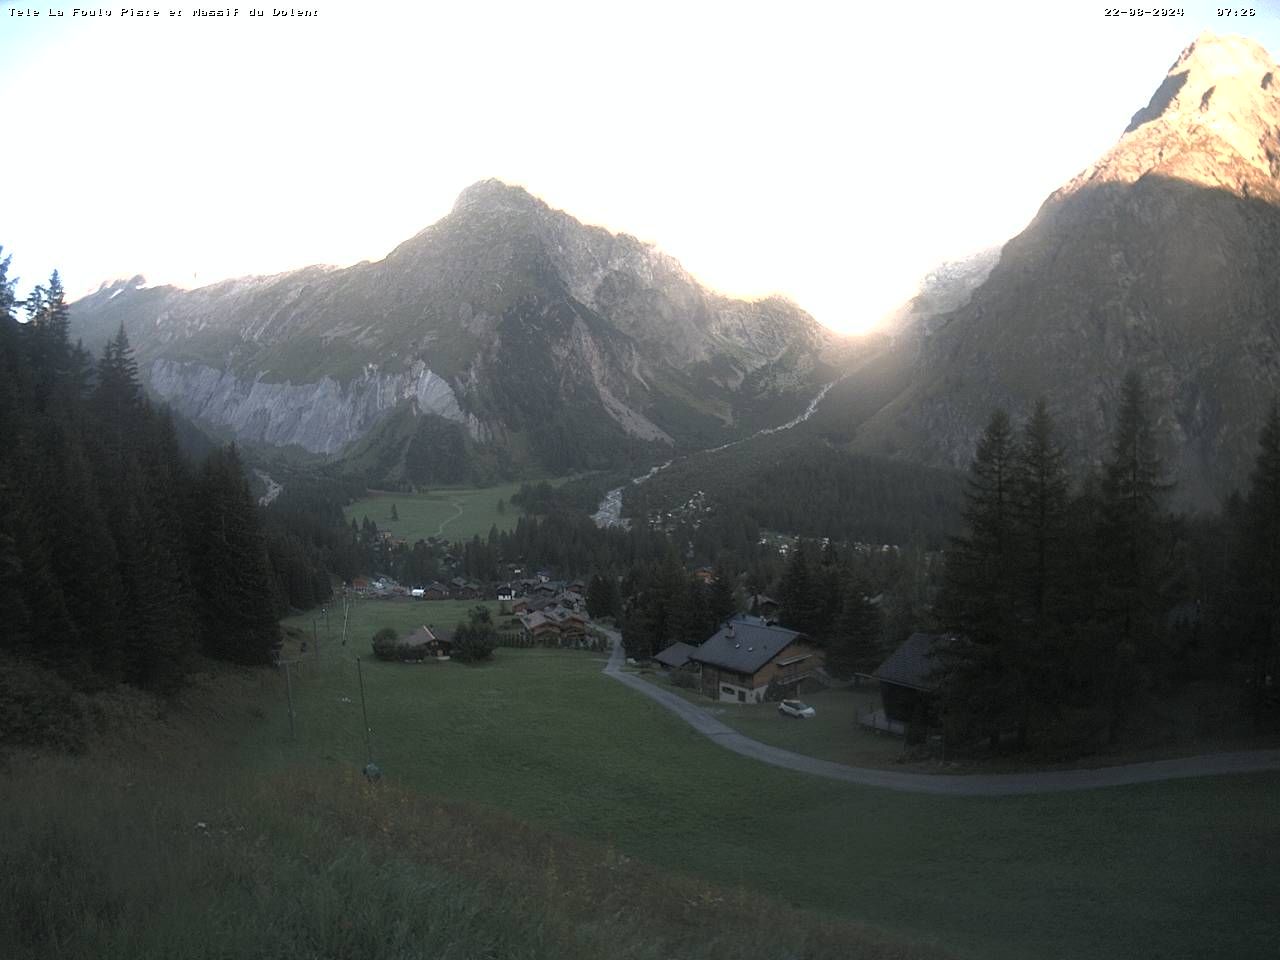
{"points": [[458, 505], [972, 785]]}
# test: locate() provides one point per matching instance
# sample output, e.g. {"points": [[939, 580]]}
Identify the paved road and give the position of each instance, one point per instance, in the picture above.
{"points": [[971, 785]]}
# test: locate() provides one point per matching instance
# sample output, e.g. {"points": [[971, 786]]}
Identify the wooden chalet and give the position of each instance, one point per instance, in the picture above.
{"points": [[675, 656], [573, 625], [435, 591], [462, 589], [746, 654], [538, 626], [764, 607], [423, 643], [908, 685]]}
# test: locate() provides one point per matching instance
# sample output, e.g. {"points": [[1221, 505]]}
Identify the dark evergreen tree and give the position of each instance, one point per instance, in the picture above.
{"points": [[720, 601], [1039, 513], [1133, 537], [801, 594], [602, 597], [1257, 572], [232, 575], [854, 646], [982, 686]]}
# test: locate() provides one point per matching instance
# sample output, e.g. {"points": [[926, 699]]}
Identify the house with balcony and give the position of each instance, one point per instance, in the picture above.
{"points": [[746, 655]]}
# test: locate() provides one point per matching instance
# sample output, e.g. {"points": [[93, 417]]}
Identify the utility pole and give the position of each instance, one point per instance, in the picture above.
{"points": [[346, 612], [364, 711], [288, 685]]}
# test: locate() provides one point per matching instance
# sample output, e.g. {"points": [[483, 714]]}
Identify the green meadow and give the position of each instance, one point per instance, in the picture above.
{"points": [[193, 831], [1178, 869], [533, 807], [456, 513], [368, 615]]}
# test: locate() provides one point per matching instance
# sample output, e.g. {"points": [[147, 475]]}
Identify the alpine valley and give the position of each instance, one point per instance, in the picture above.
{"points": [[509, 338]]}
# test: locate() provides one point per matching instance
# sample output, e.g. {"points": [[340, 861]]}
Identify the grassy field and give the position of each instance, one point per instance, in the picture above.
{"points": [[368, 615], [159, 846], [1180, 869], [458, 513], [831, 734]]}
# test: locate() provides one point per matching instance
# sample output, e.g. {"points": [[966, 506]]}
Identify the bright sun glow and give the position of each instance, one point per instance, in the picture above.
{"points": [[834, 157]]}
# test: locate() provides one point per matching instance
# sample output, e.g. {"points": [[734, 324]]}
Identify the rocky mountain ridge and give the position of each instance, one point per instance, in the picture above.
{"points": [[1160, 257], [507, 318]]}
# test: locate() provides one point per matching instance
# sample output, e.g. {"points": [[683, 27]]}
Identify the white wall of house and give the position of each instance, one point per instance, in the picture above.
{"points": [[729, 693]]}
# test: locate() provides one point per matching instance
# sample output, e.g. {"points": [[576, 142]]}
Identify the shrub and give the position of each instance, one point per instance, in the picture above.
{"points": [[386, 644], [474, 642], [39, 708]]}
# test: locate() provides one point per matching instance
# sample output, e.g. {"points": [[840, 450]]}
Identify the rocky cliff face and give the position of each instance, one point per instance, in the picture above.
{"points": [[1161, 258], [321, 417], [946, 288], [507, 317]]}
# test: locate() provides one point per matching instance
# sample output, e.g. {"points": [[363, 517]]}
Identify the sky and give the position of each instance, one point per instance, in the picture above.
{"points": [[830, 152]]}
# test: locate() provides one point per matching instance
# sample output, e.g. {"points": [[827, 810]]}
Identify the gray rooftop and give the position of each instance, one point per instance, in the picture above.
{"points": [[744, 646], [675, 656], [910, 665]]}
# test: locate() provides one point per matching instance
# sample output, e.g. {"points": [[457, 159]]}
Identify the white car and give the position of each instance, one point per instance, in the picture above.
{"points": [[794, 708]]}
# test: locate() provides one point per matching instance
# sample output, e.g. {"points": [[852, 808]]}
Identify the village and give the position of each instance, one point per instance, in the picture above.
{"points": [[749, 659]]}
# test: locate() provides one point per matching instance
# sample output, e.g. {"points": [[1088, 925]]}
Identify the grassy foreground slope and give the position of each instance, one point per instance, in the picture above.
{"points": [[164, 849], [1178, 869]]}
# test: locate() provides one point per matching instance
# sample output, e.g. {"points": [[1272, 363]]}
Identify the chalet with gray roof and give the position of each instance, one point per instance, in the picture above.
{"points": [[675, 656], [747, 654], [908, 680], [424, 642], [537, 627]]}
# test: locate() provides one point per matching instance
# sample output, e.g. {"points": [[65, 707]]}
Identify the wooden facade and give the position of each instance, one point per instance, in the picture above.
{"points": [[795, 662]]}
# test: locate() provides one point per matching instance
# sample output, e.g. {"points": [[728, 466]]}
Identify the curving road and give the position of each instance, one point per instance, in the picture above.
{"points": [[972, 785]]}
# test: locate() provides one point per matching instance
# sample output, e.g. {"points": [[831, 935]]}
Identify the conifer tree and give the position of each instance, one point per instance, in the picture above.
{"points": [[982, 686], [1040, 499], [1039, 505], [232, 573], [1132, 532], [7, 300], [1258, 570], [720, 601], [855, 642], [118, 396], [801, 594]]}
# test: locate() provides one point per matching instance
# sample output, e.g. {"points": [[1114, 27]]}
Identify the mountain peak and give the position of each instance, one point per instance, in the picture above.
{"points": [[1216, 56], [1214, 74], [493, 192], [1214, 121]]}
